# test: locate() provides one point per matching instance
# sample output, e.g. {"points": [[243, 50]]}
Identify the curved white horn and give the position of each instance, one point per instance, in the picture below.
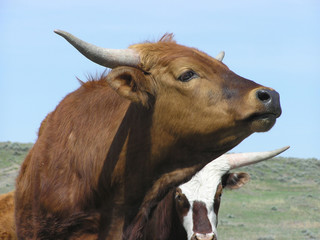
{"points": [[243, 159], [110, 58], [220, 56]]}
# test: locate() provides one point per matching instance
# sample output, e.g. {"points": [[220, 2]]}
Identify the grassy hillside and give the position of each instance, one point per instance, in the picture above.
{"points": [[282, 200], [11, 156]]}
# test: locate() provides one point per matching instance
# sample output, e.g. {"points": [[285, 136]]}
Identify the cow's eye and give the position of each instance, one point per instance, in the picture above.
{"points": [[178, 197], [187, 76]]}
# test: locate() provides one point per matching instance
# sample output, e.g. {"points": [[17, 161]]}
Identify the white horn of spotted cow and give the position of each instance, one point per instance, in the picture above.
{"points": [[220, 56], [110, 58], [237, 160]]}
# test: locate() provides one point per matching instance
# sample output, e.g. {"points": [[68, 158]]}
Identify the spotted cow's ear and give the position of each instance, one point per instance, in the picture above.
{"points": [[235, 180], [131, 83]]}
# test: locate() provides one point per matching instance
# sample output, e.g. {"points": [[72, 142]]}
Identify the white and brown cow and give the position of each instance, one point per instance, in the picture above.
{"points": [[191, 210]]}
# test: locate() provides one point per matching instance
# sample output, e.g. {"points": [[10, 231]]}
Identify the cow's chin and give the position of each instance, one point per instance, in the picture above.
{"points": [[262, 123]]}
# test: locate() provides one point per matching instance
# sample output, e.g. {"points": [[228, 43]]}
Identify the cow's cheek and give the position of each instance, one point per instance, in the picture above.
{"points": [[188, 224]]}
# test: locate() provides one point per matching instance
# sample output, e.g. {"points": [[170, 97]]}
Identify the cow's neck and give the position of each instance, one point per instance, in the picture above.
{"points": [[155, 162], [143, 163], [125, 170]]}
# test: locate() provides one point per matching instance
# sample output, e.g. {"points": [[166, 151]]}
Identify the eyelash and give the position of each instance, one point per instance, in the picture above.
{"points": [[187, 76]]}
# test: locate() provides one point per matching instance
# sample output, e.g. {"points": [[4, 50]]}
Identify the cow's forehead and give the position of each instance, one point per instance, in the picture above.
{"points": [[203, 185], [163, 53]]}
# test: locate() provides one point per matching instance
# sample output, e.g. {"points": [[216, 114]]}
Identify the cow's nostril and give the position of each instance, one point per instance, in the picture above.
{"points": [[263, 95]]}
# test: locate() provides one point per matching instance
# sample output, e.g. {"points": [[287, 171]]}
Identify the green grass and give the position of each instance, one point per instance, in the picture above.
{"points": [[11, 156], [281, 202], [13, 153]]}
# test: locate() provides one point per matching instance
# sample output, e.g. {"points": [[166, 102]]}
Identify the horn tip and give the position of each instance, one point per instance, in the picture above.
{"points": [[284, 148], [220, 56], [60, 32], [57, 31]]}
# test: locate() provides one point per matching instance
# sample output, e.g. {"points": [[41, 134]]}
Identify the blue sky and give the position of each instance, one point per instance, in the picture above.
{"points": [[274, 42]]}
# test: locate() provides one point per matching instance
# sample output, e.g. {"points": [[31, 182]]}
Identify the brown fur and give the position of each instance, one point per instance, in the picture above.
{"points": [[165, 223], [113, 148], [7, 225]]}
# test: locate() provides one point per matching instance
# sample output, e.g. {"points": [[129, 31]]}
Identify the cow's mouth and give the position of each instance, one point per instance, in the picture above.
{"points": [[262, 122]]}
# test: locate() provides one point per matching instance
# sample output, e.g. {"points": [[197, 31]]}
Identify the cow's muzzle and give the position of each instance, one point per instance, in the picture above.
{"points": [[206, 236], [271, 100], [269, 109]]}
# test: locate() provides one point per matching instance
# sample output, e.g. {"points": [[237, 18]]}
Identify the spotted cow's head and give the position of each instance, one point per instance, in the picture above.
{"points": [[199, 205], [198, 201]]}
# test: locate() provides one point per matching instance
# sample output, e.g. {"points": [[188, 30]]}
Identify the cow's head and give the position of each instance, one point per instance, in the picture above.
{"points": [[198, 201], [195, 99]]}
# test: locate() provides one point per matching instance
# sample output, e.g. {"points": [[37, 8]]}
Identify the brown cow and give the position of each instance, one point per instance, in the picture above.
{"points": [[7, 226], [112, 149], [190, 212]]}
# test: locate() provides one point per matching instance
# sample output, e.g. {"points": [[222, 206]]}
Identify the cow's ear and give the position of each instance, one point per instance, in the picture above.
{"points": [[130, 83], [235, 180]]}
